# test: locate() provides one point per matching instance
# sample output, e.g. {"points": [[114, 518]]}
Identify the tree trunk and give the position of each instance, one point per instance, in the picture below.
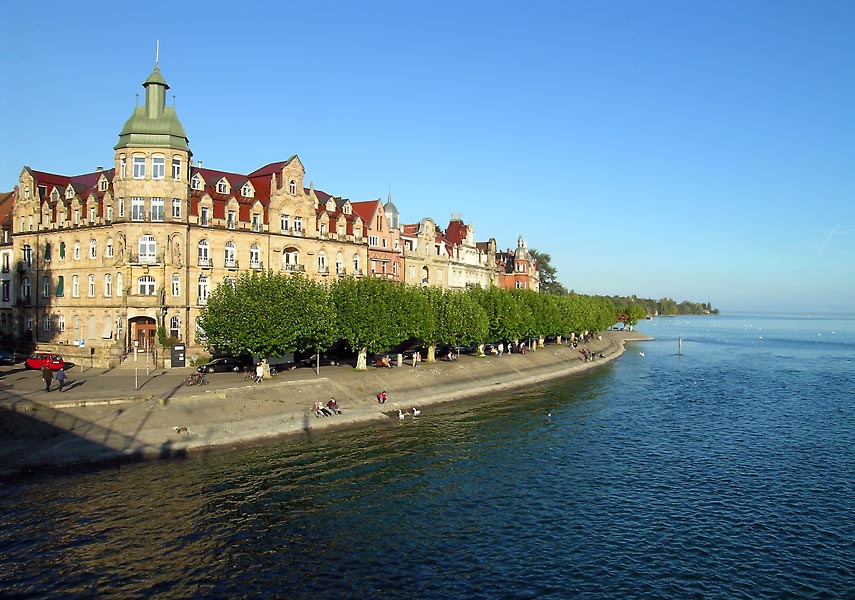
{"points": [[361, 362]]}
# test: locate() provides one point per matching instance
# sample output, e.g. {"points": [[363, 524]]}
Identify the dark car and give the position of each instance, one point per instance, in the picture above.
{"points": [[221, 365], [54, 362], [7, 357], [312, 360]]}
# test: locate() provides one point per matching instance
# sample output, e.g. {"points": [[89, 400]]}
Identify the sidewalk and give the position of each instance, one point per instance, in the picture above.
{"points": [[102, 416]]}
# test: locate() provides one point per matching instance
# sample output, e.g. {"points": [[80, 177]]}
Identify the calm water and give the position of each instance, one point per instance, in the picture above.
{"points": [[724, 472]]}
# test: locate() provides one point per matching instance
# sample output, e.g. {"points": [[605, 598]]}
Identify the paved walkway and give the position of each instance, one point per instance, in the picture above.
{"points": [[137, 413]]}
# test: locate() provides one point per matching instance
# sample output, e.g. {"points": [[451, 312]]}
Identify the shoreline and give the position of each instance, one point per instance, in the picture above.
{"points": [[53, 435]]}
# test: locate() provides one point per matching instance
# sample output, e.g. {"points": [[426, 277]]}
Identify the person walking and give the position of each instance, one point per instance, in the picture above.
{"points": [[61, 378], [259, 373], [47, 375]]}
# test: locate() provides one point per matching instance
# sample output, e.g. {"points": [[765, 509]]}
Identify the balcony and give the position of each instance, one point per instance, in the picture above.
{"points": [[205, 262], [145, 259], [232, 263], [294, 268], [323, 271], [256, 265]]}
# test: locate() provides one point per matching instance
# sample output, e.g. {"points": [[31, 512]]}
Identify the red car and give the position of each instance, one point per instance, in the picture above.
{"points": [[54, 362]]}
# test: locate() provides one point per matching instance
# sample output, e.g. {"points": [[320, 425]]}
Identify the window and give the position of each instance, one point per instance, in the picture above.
{"points": [[139, 167], [292, 187], [222, 186], [108, 285], [339, 264], [290, 259], [322, 262], [91, 215], [48, 249], [204, 258], [76, 219], [45, 287], [46, 322], [323, 228], [60, 286], [254, 257], [203, 216], [109, 215], [75, 286], [123, 166], [247, 191], [256, 222], [90, 288], [204, 289], [373, 240], [283, 222], [176, 284], [25, 289], [119, 289], [62, 251], [230, 219], [176, 208], [356, 263], [157, 209], [60, 323], [175, 328], [298, 224], [147, 249], [69, 193], [93, 249], [76, 250], [395, 269], [102, 184], [176, 169], [6, 290], [137, 209], [196, 183], [121, 204], [231, 255], [158, 167], [145, 285], [108, 249]]}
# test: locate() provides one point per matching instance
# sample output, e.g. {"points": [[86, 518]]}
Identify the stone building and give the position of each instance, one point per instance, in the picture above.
{"points": [[7, 265]]}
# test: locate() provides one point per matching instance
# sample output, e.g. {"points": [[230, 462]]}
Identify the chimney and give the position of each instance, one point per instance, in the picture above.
{"points": [[99, 169]]}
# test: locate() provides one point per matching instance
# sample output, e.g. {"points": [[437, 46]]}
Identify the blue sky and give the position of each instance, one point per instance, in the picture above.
{"points": [[702, 151]]}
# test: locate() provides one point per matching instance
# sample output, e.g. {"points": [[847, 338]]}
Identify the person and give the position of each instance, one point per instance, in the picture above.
{"points": [[259, 373], [417, 359], [47, 375], [333, 406], [381, 397], [384, 361], [501, 349], [61, 378], [318, 409]]}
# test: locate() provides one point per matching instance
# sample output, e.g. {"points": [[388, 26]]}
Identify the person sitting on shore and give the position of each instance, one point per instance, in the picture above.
{"points": [[320, 410], [381, 397], [333, 406], [384, 361]]}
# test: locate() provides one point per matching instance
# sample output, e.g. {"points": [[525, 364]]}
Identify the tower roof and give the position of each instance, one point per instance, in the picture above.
{"points": [[153, 124]]}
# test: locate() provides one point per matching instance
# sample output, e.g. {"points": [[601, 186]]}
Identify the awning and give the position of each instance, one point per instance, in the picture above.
{"points": [[107, 334]]}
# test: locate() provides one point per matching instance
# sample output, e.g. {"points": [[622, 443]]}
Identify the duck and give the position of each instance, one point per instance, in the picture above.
{"points": [[401, 414], [416, 412], [642, 354]]}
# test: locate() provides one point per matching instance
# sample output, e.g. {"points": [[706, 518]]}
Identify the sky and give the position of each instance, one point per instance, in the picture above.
{"points": [[700, 151]]}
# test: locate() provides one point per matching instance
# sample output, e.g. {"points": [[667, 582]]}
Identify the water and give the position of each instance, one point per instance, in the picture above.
{"points": [[724, 472]]}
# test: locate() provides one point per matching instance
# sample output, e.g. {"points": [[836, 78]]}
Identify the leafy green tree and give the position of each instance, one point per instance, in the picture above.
{"points": [[548, 274], [460, 319]]}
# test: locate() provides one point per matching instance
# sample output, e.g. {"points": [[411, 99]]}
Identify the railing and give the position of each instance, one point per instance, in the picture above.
{"points": [[323, 271], [294, 268], [145, 259], [256, 266], [231, 263]]}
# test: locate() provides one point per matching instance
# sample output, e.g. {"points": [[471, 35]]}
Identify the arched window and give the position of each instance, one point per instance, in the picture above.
{"points": [[90, 288], [204, 289], [175, 327], [145, 285], [254, 257], [292, 188], [119, 289], [204, 257], [25, 289], [75, 286], [60, 323], [147, 249], [108, 249], [60, 286], [176, 284], [108, 285], [230, 255], [93, 249], [46, 287], [76, 250], [62, 251], [290, 259], [48, 249]]}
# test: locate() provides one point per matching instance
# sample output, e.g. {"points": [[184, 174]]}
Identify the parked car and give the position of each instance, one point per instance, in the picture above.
{"points": [[54, 362], [312, 360], [221, 365], [7, 357]]}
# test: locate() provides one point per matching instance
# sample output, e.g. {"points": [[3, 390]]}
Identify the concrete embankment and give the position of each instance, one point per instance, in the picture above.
{"points": [[49, 430]]}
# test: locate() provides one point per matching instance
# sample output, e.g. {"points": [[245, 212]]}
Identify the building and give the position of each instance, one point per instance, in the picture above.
{"points": [[517, 268]]}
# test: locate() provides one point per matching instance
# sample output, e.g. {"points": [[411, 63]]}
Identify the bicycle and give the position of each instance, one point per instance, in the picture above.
{"points": [[195, 379]]}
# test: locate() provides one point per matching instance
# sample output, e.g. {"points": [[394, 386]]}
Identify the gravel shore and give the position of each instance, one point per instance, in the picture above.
{"points": [[109, 416]]}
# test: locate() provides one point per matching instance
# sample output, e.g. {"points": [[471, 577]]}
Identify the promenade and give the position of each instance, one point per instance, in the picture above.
{"points": [[138, 413]]}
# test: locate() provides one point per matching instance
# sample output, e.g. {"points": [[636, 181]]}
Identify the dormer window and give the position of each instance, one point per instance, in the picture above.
{"points": [[223, 186], [231, 219], [196, 183], [247, 190], [346, 209], [256, 222], [69, 193], [54, 195], [292, 188], [331, 205], [102, 185]]}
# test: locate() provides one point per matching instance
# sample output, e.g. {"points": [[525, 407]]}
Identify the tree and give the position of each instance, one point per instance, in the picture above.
{"points": [[548, 274]]}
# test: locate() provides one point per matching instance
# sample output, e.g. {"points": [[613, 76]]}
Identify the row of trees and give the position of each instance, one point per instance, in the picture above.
{"points": [[666, 307], [273, 313]]}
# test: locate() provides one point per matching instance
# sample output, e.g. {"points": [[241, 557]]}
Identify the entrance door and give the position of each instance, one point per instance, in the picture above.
{"points": [[145, 335]]}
